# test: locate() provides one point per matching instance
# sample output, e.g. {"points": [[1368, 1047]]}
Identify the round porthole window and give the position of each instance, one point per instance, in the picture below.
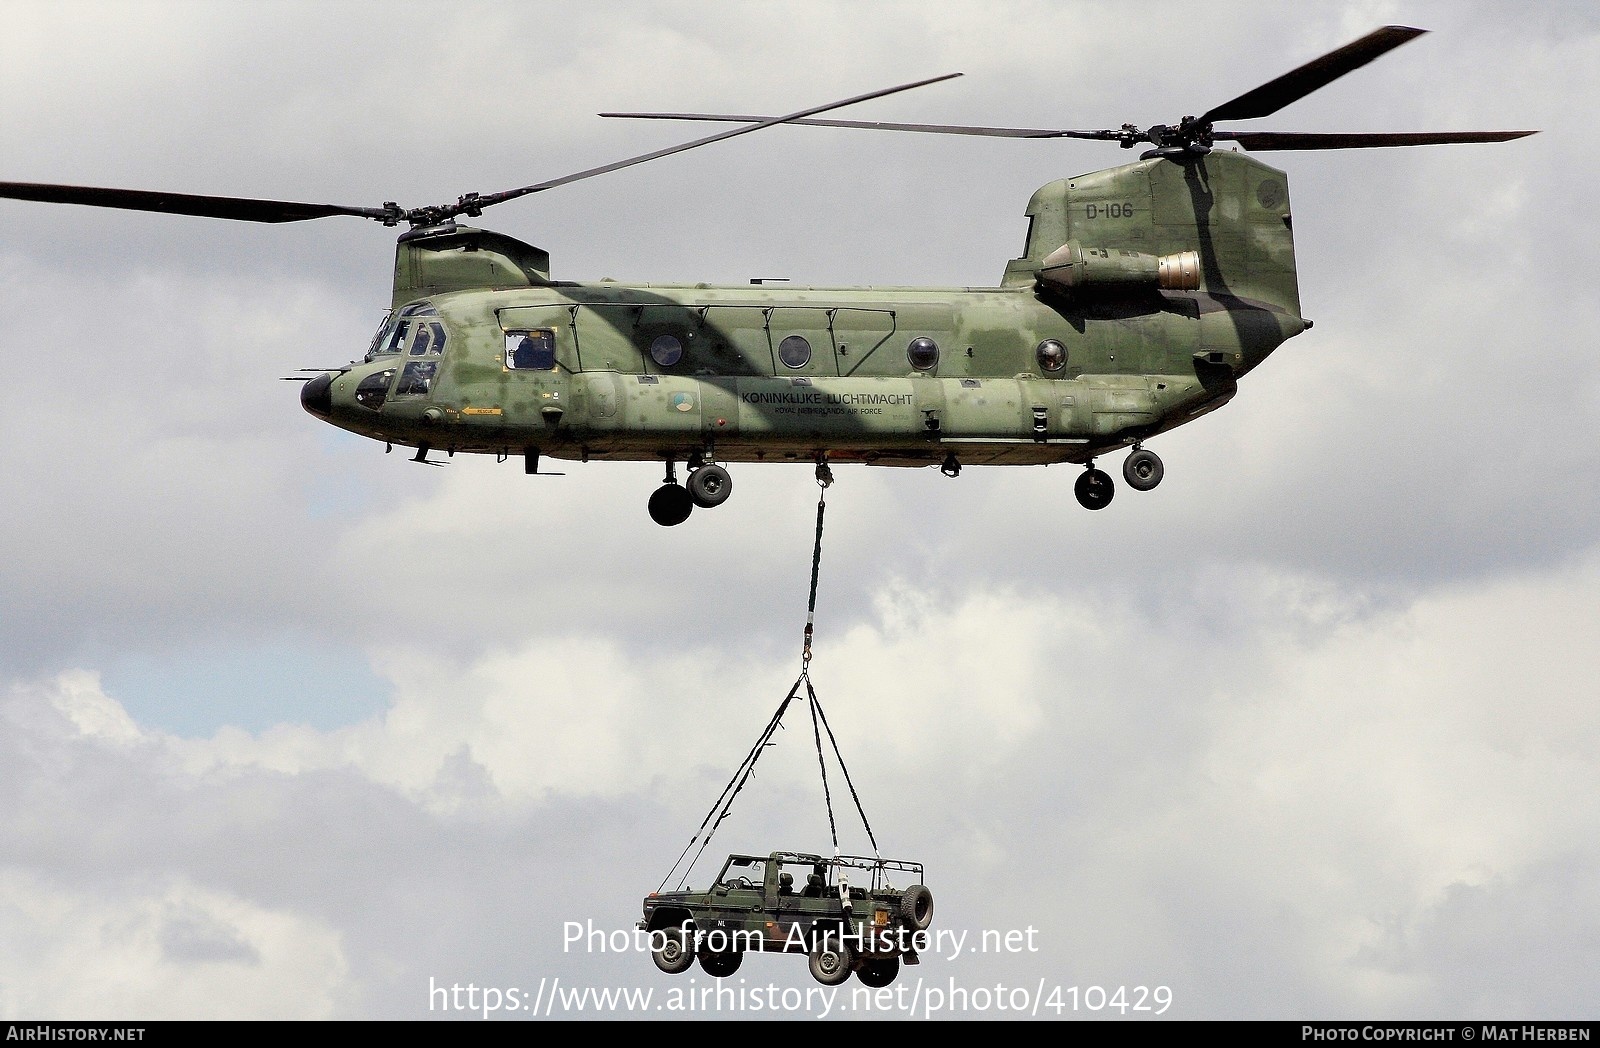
{"points": [[923, 353], [1052, 355], [666, 350], [795, 351]]}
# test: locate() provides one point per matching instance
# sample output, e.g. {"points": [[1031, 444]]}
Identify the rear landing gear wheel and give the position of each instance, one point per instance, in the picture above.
{"points": [[710, 486], [1094, 489], [670, 505], [1142, 469]]}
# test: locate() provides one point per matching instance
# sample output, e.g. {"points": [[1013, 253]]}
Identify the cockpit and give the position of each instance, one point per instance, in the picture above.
{"points": [[415, 337], [413, 330]]}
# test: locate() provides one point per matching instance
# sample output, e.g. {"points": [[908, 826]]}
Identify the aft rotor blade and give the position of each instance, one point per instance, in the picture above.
{"points": [[881, 125], [242, 209], [495, 198], [1265, 140], [1274, 95]]}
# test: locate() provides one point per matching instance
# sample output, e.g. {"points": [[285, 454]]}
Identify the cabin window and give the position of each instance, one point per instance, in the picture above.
{"points": [[1052, 355], [794, 351], [923, 353], [666, 350], [531, 350]]}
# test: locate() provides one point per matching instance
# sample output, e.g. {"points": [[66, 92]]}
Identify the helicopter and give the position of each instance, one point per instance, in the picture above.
{"points": [[1143, 294]]}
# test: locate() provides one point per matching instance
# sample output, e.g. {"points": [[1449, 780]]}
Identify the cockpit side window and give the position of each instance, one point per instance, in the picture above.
{"points": [[417, 378], [533, 350], [429, 339], [410, 330], [419, 345]]}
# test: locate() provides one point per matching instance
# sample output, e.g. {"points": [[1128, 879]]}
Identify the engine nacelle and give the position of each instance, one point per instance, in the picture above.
{"points": [[1073, 267]]}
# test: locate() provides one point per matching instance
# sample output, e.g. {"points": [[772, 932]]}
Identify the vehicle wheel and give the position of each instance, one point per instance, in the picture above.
{"points": [[673, 955], [1094, 489], [916, 907], [721, 964], [1142, 470], [669, 505], [830, 959], [880, 971], [710, 486]]}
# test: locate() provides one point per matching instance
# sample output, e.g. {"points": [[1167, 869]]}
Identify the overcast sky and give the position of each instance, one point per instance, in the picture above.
{"points": [[293, 729]]}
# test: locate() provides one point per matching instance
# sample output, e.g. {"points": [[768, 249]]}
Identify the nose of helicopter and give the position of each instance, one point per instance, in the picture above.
{"points": [[316, 396]]}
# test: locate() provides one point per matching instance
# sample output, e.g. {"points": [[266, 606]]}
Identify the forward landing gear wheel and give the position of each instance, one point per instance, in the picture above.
{"points": [[1142, 469], [670, 504], [1094, 489], [710, 486]]}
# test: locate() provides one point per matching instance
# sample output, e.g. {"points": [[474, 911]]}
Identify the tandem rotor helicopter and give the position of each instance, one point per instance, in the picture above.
{"points": [[1144, 293]]}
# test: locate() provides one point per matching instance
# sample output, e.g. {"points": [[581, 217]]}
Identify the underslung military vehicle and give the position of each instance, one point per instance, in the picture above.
{"points": [[1143, 295], [844, 913]]}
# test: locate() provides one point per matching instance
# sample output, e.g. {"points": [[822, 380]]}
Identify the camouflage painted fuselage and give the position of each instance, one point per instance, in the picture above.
{"points": [[1077, 352]]}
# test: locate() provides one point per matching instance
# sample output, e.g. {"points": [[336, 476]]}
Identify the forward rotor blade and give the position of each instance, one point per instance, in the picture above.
{"points": [[1265, 140], [496, 198], [880, 125], [1274, 95], [242, 209]]}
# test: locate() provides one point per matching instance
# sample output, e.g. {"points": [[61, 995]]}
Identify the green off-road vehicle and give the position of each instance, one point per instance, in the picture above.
{"points": [[844, 913]]}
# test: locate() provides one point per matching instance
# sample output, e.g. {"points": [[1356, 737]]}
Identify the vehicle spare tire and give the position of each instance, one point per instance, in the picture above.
{"points": [[916, 906]]}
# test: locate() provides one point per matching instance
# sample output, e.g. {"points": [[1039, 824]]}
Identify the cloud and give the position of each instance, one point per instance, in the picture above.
{"points": [[1363, 788], [173, 950]]}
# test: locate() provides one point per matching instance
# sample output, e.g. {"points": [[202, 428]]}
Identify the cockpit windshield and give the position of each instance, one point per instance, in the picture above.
{"points": [[413, 330]]}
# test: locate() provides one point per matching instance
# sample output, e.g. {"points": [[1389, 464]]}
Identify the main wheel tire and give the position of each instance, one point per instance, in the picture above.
{"points": [[1142, 470], [1094, 489], [673, 954], [710, 485], [916, 907], [670, 505], [831, 959], [721, 964], [880, 971]]}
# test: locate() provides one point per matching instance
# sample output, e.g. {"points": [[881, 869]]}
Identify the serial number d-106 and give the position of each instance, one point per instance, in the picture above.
{"points": [[1108, 210]]}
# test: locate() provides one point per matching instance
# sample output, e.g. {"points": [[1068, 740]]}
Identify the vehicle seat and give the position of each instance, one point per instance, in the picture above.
{"points": [[814, 886]]}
